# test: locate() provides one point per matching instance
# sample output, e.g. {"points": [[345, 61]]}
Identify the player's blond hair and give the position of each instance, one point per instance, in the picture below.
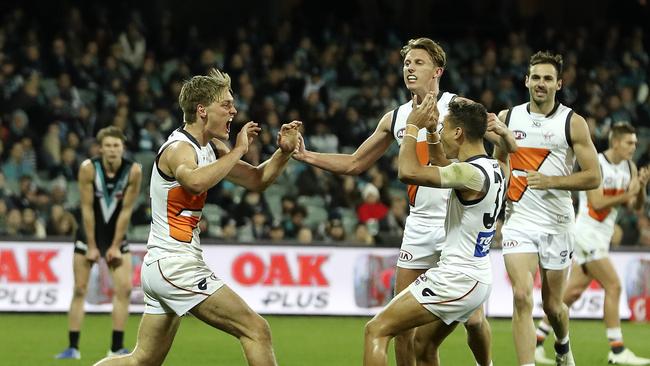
{"points": [[204, 90], [433, 49]]}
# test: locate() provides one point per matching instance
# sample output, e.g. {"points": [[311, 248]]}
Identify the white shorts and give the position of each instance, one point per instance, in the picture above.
{"points": [[420, 246], [591, 245], [555, 250], [176, 284], [450, 296]]}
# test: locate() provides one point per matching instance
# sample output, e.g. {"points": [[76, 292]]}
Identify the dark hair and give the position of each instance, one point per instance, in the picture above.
{"points": [[547, 57], [470, 116]]}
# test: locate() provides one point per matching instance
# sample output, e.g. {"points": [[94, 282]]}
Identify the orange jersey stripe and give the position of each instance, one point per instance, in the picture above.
{"points": [[422, 152], [178, 202], [601, 215], [526, 158]]}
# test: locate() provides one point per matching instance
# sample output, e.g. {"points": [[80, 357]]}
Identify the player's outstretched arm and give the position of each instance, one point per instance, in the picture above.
{"points": [[258, 178], [86, 178], [358, 162], [180, 160], [410, 170], [588, 178], [638, 179], [128, 203], [499, 134]]}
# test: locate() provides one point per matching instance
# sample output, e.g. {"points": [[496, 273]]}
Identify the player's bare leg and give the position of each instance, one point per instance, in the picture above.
{"points": [[479, 337], [428, 339], [404, 341], [522, 268], [122, 284], [81, 268], [155, 337], [553, 286], [604, 272], [403, 312], [577, 284], [225, 310]]}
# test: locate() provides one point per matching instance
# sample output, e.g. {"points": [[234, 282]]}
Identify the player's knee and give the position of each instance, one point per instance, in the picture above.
{"points": [[613, 288], [553, 308], [523, 297], [373, 328], [123, 292], [260, 331], [572, 295], [79, 291], [475, 322]]}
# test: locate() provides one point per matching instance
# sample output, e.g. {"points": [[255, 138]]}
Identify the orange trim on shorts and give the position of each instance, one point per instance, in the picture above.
{"points": [[446, 301], [171, 283]]}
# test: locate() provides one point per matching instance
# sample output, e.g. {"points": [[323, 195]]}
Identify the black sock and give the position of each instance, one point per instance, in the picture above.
{"points": [[118, 340], [73, 338], [562, 348]]}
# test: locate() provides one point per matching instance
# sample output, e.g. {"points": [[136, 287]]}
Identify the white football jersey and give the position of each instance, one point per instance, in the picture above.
{"points": [[427, 203], [175, 213], [616, 179], [471, 225], [544, 145]]}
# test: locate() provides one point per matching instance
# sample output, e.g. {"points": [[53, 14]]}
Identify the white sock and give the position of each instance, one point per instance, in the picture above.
{"points": [[614, 334], [543, 330], [564, 340]]}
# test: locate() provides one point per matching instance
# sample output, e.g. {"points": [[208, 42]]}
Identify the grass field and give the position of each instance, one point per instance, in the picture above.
{"points": [[33, 339]]}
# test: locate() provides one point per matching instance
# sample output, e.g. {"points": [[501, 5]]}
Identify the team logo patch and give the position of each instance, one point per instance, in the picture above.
{"points": [[405, 256], [510, 244], [519, 134], [400, 133]]}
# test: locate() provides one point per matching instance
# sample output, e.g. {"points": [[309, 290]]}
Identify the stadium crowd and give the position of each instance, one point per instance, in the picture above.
{"points": [[59, 87]]}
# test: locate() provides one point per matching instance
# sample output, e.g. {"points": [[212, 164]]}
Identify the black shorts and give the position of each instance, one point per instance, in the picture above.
{"points": [[82, 248]]}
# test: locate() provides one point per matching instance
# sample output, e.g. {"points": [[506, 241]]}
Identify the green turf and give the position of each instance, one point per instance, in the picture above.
{"points": [[33, 339]]}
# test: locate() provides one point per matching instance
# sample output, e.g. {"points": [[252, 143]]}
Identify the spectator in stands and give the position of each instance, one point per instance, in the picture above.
{"points": [[31, 227], [305, 236], [371, 208], [17, 166]]}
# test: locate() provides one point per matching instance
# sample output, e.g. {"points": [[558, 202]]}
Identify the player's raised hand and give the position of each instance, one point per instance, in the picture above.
{"points": [[495, 125], [644, 175], [300, 153], [287, 138], [426, 114], [246, 135]]}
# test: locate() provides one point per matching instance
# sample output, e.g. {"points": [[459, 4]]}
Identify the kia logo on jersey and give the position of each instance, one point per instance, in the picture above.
{"points": [[405, 256], [519, 135]]}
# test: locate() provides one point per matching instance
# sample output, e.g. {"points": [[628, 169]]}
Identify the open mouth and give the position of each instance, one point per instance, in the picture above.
{"points": [[228, 125], [411, 78]]}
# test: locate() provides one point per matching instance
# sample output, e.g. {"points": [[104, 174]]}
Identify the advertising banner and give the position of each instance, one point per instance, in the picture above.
{"points": [[37, 277]]}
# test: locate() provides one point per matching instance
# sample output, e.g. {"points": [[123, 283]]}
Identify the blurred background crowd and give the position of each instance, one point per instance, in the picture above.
{"points": [[67, 70]]}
